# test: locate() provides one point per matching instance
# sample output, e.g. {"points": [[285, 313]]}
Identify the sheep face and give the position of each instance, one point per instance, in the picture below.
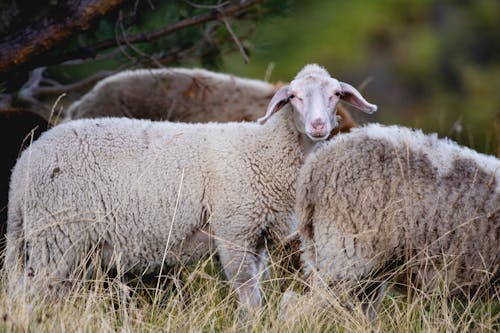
{"points": [[314, 95]]}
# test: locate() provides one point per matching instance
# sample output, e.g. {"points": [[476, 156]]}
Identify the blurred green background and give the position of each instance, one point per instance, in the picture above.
{"points": [[428, 64]]}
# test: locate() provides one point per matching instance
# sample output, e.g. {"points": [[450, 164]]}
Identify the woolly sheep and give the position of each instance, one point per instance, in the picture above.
{"points": [[138, 192], [188, 95], [181, 95], [175, 94], [383, 197]]}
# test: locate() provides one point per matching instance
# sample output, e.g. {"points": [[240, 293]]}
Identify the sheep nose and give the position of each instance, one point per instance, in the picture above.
{"points": [[318, 124]]}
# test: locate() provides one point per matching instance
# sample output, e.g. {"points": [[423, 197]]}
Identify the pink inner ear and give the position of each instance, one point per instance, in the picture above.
{"points": [[279, 100], [352, 96]]}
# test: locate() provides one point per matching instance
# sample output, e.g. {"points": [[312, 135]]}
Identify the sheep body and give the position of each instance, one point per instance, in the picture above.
{"points": [[380, 193], [175, 94], [133, 190], [182, 95], [95, 189]]}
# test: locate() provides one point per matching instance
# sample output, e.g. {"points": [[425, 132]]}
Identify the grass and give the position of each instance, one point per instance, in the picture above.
{"points": [[196, 299]]}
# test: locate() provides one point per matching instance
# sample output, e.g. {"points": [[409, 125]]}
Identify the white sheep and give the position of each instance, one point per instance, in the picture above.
{"points": [[181, 95], [382, 197], [139, 193], [175, 94]]}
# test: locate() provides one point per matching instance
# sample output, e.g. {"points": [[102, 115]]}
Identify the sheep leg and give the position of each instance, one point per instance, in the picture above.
{"points": [[241, 267]]}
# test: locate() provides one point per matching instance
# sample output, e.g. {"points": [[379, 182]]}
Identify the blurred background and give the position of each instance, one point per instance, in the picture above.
{"points": [[429, 64]]}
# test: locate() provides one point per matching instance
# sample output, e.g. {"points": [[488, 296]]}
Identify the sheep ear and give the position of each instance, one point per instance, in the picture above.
{"points": [[279, 100], [351, 95]]}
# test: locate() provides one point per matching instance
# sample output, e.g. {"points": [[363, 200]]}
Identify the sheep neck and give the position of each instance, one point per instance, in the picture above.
{"points": [[286, 123]]}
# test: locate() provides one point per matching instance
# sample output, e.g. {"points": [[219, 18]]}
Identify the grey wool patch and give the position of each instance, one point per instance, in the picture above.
{"points": [[383, 193]]}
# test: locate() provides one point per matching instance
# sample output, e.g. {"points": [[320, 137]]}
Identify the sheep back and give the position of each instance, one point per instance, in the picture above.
{"points": [[381, 193], [175, 94]]}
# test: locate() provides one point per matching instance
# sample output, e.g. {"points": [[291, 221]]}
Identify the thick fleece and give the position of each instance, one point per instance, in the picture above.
{"points": [[182, 95], [175, 94], [18, 128], [139, 193], [130, 188], [383, 196]]}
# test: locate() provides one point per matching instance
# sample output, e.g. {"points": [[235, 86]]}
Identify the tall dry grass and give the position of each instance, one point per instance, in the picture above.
{"points": [[197, 299]]}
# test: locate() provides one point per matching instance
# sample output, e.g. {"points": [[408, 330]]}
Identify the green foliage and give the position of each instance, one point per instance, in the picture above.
{"points": [[204, 43], [277, 8], [433, 64]]}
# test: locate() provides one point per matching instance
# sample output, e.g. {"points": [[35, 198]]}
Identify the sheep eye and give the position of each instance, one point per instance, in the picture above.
{"points": [[337, 94], [291, 96]]}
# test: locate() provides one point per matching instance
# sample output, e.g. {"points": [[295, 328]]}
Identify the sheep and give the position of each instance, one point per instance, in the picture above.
{"points": [[138, 193], [391, 199], [181, 95], [175, 94], [188, 95], [18, 127]]}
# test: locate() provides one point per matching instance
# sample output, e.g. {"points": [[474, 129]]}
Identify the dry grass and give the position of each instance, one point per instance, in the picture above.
{"points": [[196, 299]]}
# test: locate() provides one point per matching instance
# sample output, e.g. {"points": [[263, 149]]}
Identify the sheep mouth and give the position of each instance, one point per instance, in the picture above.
{"points": [[317, 136]]}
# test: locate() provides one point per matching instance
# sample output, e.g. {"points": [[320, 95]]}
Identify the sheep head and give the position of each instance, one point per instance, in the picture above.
{"points": [[314, 95]]}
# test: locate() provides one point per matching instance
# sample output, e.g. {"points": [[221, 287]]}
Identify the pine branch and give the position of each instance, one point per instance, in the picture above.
{"points": [[92, 50], [189, 22]]}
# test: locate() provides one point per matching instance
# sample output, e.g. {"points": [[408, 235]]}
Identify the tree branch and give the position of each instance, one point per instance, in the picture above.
{"points": [[92, 51], [38, 38], [75, 86], [235, 39], [189, 22]]}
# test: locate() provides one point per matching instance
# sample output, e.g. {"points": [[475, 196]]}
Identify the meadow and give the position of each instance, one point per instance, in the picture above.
{"points": [[196, 298]]}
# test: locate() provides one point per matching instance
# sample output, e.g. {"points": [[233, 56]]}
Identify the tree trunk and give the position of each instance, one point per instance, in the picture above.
{"points": [[41, 36]]}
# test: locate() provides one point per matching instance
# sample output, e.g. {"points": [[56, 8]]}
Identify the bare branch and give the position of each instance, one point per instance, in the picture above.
{"points": [[184, 54], [75, 86], [33, 87], [196, 5], [235, 38], [122, 49], [135, 49], [26, 93], [178, 55]]}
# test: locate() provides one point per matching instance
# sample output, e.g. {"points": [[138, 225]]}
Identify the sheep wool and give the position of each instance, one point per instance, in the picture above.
{"points": [[175, 94], [141, 194], [383, 196], [182, 95]]}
